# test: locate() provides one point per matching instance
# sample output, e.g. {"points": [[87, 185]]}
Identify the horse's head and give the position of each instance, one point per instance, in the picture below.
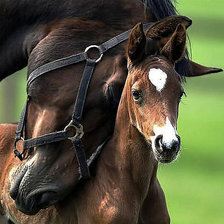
{"points": [[51, 171], [154, 89]]}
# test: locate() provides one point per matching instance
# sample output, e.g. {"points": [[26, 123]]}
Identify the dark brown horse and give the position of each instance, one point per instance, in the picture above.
{"points": [[46, 38]]}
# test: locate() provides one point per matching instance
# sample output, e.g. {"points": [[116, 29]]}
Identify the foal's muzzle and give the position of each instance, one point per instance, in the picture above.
{"points": [[166, 151]]}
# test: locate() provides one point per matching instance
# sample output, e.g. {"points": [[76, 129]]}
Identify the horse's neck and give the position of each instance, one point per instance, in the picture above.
{"points": [[20, 21], [131, 155]]}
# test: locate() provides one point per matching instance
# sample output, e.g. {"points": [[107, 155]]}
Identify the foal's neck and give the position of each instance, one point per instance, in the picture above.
{"points": [[136, 160]]}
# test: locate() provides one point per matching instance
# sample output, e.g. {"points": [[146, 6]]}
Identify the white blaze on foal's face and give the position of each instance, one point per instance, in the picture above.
{"points": [[168, 131], [158, 78]]}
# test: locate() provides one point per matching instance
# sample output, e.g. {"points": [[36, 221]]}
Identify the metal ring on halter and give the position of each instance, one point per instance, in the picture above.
{"points": [[16, 151], [92, 59], [78, 131]]}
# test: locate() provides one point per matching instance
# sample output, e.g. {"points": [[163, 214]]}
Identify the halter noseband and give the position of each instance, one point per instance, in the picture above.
{"points": [[75, 122]]}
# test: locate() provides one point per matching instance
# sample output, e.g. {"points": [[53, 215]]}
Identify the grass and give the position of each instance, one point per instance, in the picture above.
{"points": [[194, 184]]}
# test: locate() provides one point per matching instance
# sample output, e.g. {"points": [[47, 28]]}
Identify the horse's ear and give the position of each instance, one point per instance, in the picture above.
{"points": [[175, 47], [136, 44], [198, 70], [163, 29]]}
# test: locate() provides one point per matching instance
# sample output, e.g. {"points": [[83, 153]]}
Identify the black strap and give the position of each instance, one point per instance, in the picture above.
{"points": [[76, 58], [45, 139], [53, 65], [120, 38], [81, 158], [21, 124], [82, 92], [19, 131]]}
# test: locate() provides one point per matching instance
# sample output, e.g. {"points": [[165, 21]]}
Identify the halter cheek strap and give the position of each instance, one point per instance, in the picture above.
{"points": [[75, 123]]}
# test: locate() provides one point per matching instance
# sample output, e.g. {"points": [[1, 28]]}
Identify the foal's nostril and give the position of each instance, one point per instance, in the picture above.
{"points": [[175, 144], [167, 147], [159, 143]]}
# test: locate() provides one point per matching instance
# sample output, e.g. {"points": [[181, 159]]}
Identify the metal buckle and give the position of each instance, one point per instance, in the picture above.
{"points": [[78, 131], [92, 59], [16, 151]]}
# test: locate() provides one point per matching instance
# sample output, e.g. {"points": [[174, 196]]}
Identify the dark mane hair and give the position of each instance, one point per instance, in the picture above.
{"points": [[161, 8]]}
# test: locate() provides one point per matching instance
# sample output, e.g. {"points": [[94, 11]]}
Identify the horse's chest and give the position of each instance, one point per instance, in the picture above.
{"points": [[112, 208]]}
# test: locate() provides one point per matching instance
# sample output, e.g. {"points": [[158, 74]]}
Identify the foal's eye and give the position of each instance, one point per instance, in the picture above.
{"points": [[136, 94]]}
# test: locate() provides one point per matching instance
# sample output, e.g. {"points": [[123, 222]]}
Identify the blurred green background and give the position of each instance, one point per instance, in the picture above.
{"points": [[194, 184]]}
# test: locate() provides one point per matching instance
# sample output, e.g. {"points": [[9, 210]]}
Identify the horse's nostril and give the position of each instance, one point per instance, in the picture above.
{"points": [[16, 183], [159, 143], [175, 145], [167, 147], [45, 199]]}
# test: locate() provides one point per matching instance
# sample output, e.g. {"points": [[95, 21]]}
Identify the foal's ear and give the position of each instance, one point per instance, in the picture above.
{"points": [[163, 29], [136, 44], [175, 47]]}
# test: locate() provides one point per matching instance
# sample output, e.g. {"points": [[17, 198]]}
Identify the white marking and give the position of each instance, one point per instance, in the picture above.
{"points": [[157, 78], [168, 132], [138, 126]]}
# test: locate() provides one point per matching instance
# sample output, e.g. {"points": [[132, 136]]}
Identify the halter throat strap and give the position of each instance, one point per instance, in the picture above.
{"points": [[75, 122]]}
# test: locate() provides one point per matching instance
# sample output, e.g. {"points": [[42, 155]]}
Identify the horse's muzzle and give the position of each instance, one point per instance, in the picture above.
{"points": [[167, 151]]}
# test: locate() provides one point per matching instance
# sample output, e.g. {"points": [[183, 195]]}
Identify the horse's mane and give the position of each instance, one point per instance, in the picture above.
{"points": [[161, 8]]}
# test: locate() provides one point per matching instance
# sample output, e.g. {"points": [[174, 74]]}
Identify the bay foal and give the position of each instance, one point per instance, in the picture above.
{"points": [[145, 133]]}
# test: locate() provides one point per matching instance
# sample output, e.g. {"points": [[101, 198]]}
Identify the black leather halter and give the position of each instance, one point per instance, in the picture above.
{"points": [[75, 123]]}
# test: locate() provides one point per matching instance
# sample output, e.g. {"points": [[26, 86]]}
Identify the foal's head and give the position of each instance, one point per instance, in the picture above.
{"points": [[154, 90]]}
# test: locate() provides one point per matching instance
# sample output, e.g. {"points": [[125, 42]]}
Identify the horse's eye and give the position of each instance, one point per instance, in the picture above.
{"points": [[136, 94]]}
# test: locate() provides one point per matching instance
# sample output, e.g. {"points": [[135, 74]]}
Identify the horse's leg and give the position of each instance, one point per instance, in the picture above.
{"points": [[154, 209]]}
